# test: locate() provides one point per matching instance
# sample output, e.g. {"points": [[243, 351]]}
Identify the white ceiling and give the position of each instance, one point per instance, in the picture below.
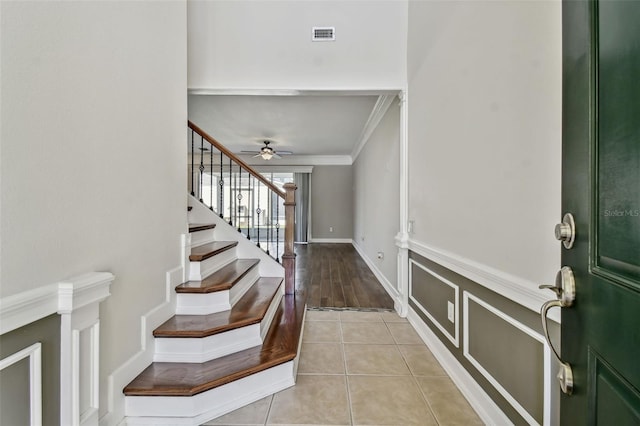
{"points": [[306, 125]]}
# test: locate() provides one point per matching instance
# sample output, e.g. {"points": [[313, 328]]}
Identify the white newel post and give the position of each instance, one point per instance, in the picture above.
{"points": [[79, 308]]}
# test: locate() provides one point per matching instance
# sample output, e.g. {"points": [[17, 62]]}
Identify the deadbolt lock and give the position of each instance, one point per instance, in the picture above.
{"points": [[566, 231]]}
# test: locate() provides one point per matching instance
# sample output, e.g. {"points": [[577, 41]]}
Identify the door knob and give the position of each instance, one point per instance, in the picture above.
{"points": [[566, 231], [564, 287], [565, 290]]}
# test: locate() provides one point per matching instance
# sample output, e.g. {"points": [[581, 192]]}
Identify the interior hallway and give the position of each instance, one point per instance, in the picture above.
{"points": [[361, 368], [335, 276], [365, 367]]}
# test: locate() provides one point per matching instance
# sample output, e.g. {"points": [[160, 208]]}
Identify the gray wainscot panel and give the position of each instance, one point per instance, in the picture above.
{"points": [[14, 380], [500, 342]]}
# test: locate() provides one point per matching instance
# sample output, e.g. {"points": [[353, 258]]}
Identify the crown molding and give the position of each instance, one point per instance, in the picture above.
{"points": [[377, 113], [302, 160], [252, 91]]}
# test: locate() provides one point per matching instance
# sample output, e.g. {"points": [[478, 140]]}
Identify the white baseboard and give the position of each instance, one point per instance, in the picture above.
{"points": [[393, 292], [331, 240], [121, 376], [486, 408]]}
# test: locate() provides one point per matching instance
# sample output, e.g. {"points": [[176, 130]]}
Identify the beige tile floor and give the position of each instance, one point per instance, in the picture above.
{"points": [[361, 368]]}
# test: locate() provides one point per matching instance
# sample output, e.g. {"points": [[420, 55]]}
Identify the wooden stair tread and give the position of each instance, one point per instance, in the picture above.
{"points": [[250, 309], [195, 227], [188, 379], [206, 251], [223, 279]]}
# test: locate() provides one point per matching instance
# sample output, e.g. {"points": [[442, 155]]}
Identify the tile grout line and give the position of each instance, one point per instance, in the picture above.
{"points": [[415, 379], [266, 420], [346, 375], [424, 396]]}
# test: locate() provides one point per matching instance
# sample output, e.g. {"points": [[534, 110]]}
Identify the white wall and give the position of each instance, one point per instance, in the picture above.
{"points": [[376, 194], [267, 44], [93, 147], [484, 84]]}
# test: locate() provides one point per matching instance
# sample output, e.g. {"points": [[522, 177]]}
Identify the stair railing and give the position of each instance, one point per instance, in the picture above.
{"points": [[245, 199]]}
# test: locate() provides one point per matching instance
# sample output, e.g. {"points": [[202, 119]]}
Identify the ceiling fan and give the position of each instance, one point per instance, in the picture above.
{"points": [[267, 153]]}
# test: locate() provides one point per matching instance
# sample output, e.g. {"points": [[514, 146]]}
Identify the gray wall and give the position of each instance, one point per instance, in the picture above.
{"points": [[508, 354], [94, 112], [332, 202], [14, 380], [376, 194]]}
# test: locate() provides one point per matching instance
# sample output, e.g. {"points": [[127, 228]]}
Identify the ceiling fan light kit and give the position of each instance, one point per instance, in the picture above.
{"points": [[266, 152]]}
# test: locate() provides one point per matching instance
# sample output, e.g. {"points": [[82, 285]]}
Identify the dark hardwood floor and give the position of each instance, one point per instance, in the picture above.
{"points": [[335, 276]]}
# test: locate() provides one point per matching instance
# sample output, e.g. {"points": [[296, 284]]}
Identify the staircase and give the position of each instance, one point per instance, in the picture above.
{"points": [[235, 336]]}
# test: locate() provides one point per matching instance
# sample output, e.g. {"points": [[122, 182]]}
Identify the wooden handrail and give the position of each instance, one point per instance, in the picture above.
{"points": [[236, 159]]}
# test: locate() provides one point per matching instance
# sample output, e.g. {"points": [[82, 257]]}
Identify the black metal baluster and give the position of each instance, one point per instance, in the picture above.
{"points": [[258, 211], [249, 207], [248, 204], [230, 194], [221, 207], [268, 222], [235, 199], [278, 231], [201, 166], [211, 178], [192, 166], [239, 197]]}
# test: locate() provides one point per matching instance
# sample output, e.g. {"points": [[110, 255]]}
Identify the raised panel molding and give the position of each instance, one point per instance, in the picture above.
{"points": [[494, 382], [455, 339], [34, 353], [517, 289]]}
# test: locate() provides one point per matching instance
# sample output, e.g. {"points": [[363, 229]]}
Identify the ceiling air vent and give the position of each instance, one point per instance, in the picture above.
{"points": [[323, 34]]}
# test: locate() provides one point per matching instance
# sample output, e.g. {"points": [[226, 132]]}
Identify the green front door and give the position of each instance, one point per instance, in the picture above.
{"points": [[601, 188]]}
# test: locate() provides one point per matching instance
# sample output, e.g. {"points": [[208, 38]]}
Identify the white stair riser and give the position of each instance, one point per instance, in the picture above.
{"points": [[195, 350], [200, 270], [199, 238], [218, 301], [265, 324], [195, 410], [240, 288], [202, 304]]}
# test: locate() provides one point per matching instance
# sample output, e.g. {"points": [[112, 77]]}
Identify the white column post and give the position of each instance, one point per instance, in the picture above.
{"points": [[79, 308], [402, 239]]}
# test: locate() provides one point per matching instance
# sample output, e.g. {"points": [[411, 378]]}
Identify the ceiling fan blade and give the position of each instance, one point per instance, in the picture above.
{"points": [[284, 152], [257, 155], [249, 152], [276, 156]]}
